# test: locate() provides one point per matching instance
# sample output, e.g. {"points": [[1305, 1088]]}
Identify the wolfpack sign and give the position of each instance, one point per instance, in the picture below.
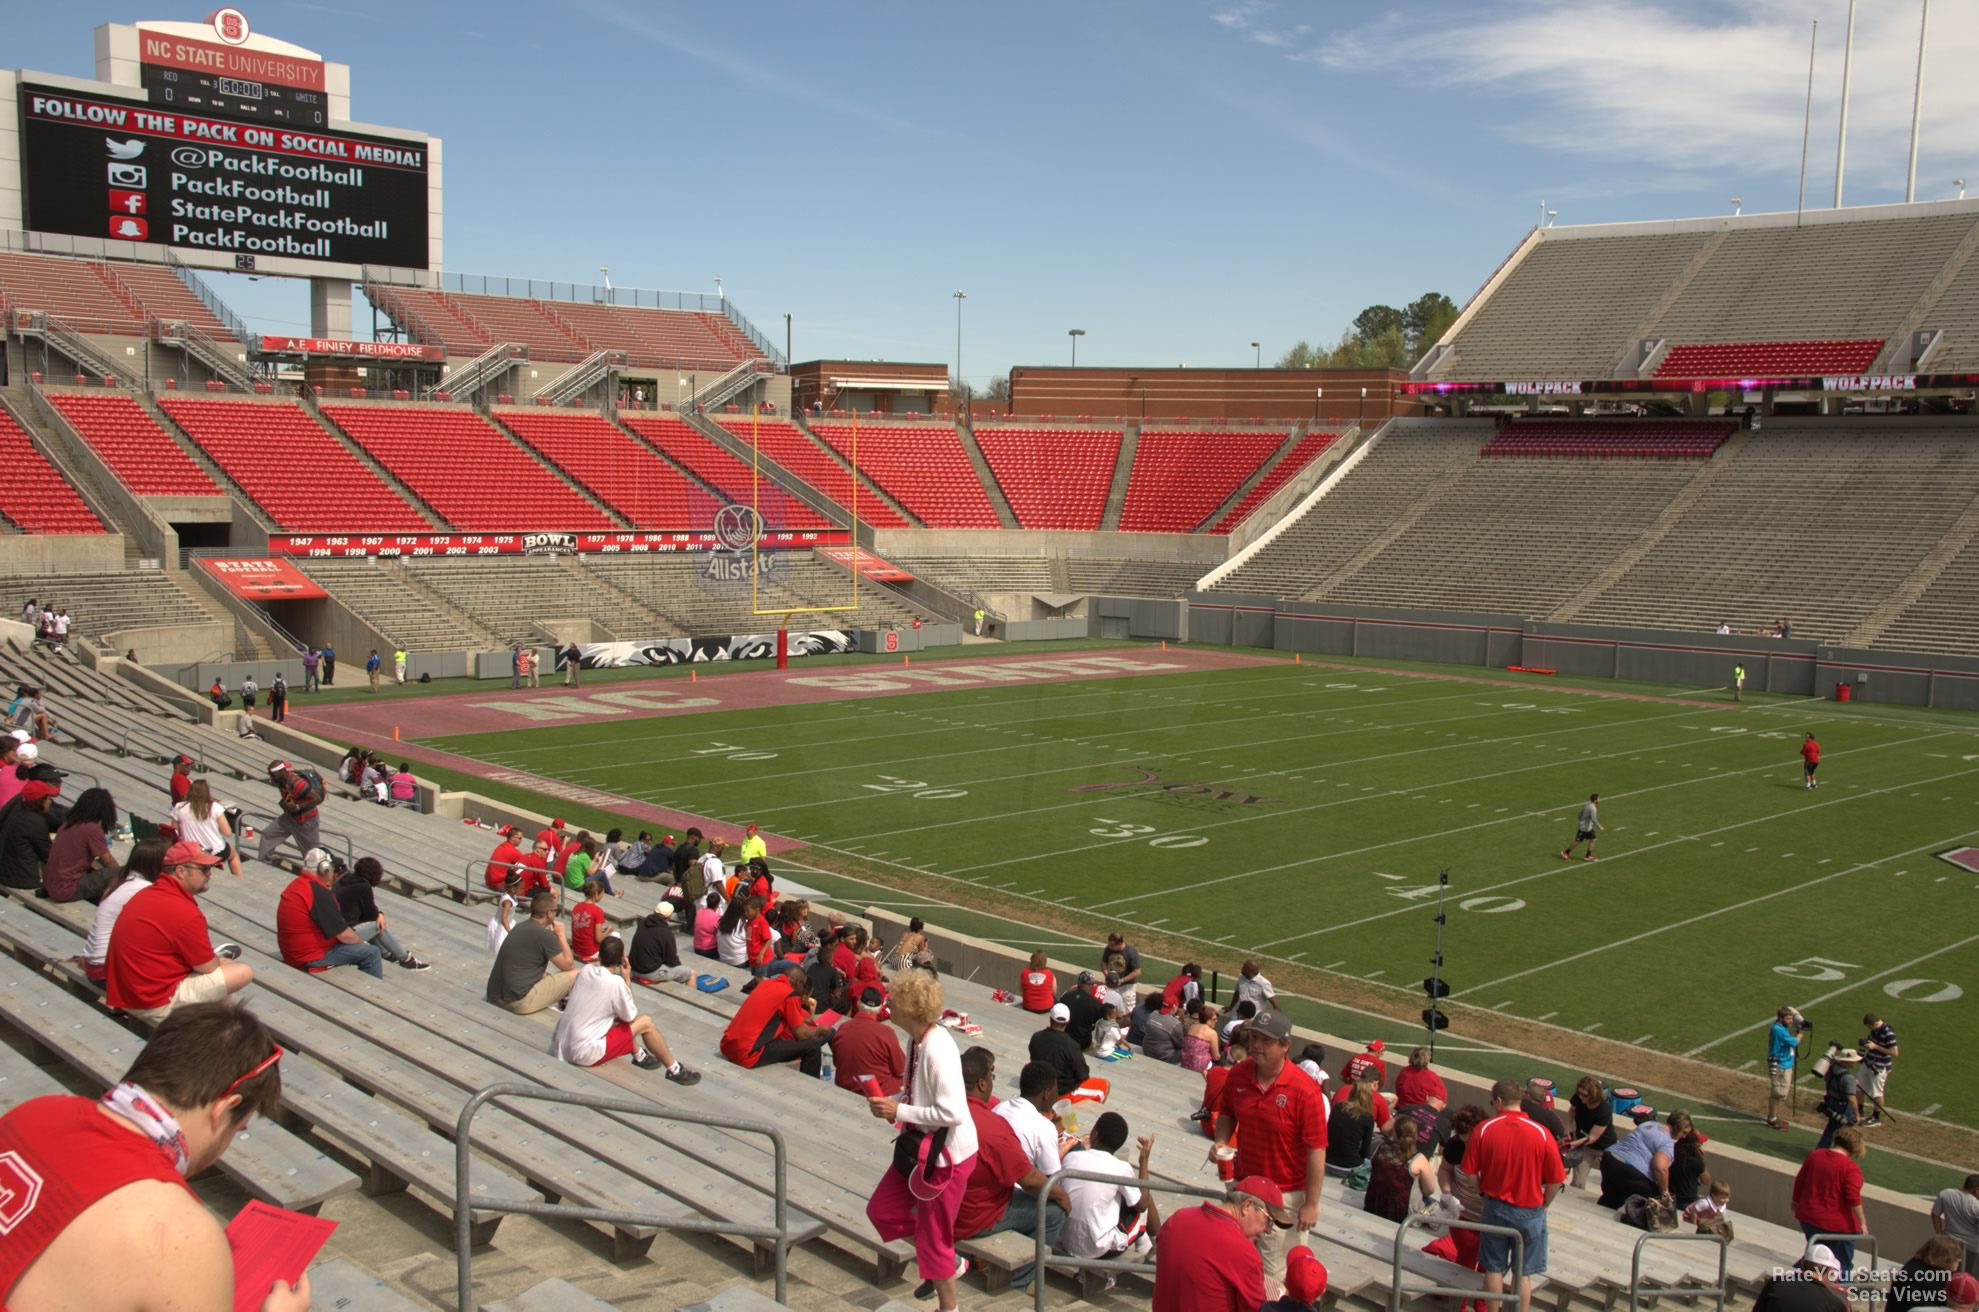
{"points": [[338, 545]]}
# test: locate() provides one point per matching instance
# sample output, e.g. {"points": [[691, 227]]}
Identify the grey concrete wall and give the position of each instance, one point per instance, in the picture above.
{"points": [[173, 644], [1135, 617], [1209, 548], [498, 664], [1041, 630]]}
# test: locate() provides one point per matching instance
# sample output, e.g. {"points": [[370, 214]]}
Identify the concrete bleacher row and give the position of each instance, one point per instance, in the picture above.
{"points": [[104, 602], [1761, 295], [1745, 536], [563, 331], [1597, 439]]}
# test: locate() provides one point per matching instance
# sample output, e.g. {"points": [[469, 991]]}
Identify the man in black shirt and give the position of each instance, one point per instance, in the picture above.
{"points": [[655, 955], [1082, 1009], [685, 867], [357, 898], [25, 824], [1060, 1051], [1537, 1104]]}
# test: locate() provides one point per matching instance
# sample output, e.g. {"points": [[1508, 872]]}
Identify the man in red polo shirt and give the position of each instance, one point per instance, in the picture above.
{"points": [[535, 869], [551, 834], [775, 1026], [1517, 1164], [1206, 1258], [160, 955], [1277, 1115], [181, 782], [506, 857], [1002, 1171], [865, 1056]]}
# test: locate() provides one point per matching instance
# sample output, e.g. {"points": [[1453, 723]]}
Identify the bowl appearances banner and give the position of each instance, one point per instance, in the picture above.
{"points": [[108, 167]]}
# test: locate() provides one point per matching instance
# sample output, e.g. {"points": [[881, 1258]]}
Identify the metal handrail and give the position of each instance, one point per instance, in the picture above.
{"points": [[210, 299], [1637, 1289], [465, 1205], [1856, 1241], [1062, 1262], [322, 835], [1415, 1220]]}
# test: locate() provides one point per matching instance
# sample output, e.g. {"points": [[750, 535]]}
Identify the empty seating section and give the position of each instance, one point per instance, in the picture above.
{"points": [[378, 592], [1180, 478], [1303, 453], [1595, 439], [1819, 523], [618, 469], [676, 339], [1955, 314], [719, 469], [1055, 478], [71, 290], [509, 598], [1819, 281], [1568, 309], [801, 456], [986, 573], [674, 587], [165, 295], [1505, 538], [300, 476], [33, 494], [1135, 578], [130, 441], [1769, 359], [1406, 460], [1945, 616], [924, 468], [467, 469], [513, 319], [433, 317]]}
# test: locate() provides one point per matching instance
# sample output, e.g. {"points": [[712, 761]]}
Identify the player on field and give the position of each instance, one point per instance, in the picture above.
{"points": [[1587, 829], [1810, 761]]}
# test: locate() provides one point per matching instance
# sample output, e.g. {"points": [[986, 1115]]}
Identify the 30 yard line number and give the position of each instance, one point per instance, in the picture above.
{"points": [[1123, 829]]}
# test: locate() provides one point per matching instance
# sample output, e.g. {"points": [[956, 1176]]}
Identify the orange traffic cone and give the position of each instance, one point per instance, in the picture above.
{"points": [[395, 733], [1297, 659], [693, 675]]}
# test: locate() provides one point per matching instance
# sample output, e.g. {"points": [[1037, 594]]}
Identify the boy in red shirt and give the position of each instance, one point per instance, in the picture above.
{"points": [[587, 922], [1810, 761]]}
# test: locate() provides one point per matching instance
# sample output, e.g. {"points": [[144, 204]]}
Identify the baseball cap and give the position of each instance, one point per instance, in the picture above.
{"points": [[1305, 1276], [21, 736], [316, 859], [277, 767], [1085, 978], [1376, 1045], [1060, 1013], [1820, 1257], [35, 790], [556, 824], [1265, 1191], [1273, 1024], [189, 854], [1962, 1288], [872, 997], [664, 908], [181, 759], [754, 828], [27, 752]]}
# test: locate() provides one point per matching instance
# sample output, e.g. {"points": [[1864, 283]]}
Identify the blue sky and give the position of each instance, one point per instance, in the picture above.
{"points": [[1178, 179]]}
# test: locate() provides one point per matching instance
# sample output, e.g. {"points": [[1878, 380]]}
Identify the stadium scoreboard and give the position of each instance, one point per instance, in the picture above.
{"points": [[234, 97], [103, 166]]}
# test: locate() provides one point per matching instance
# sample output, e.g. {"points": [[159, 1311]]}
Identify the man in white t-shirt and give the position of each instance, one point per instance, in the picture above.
{"points": [[600, 1022], [1029, 1114], [1252, 986], [1108, 1218], [712, 869]]}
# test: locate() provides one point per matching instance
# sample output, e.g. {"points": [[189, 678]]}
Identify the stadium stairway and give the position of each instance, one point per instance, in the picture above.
{"points": [[1256, 477], [737, 445], [867, 487], [1928, 571], [984, 475], [1123, 471]]}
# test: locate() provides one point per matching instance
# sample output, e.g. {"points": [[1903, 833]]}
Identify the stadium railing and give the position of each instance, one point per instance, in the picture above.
{"points": [[1638, 1290], [1046, 1259], [1397, 1289], [465, 1206]]}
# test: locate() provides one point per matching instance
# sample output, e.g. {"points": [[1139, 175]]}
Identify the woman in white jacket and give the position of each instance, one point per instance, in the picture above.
{"points": [[935, 1103]]}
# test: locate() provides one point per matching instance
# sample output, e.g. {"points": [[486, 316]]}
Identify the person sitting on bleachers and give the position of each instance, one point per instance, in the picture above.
{"points": [[99, 1215], [534, 966], [82, 846], [1416, 1085], [1367, 1065], [1185, 990], [865, 1056], [774, 1025], [1059, 1050], [655, 954], [854, 958], [1379, 1100], [357, 898], [1082, 1004], [587, 923], [1207, 1259], [609, 853], [600, 1021], [1104, 1219], [146, 863], [535, 868], [1037, 985], [310, 928], [733, 937], [655, 859], [179, 785], [244, 726], [160, 955], [27, 713], [1162, 1032], [577, 860], [403, 790], [707, 926], [26, 823], [1350, 1130], [1004, 1186], [1399, 1172], [505, 859], [634, 853]]}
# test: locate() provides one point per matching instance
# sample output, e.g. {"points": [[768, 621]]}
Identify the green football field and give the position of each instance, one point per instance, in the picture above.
{"points": [[1302, 815]]}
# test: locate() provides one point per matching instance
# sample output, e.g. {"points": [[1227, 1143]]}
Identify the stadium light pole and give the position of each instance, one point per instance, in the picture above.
{"points": [[1960, 184], [1806, 122], [960, 296], [1917, 103], [1257, 356], [786, 338], [1841, 134], [1075, 334]]}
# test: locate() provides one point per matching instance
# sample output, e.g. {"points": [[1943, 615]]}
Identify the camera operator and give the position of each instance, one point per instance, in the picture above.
{"points": [[1879, 1054], [1839, 1098], [1782, 1050]]}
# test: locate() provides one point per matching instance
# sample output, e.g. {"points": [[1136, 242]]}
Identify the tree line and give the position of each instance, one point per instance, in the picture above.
{"points": [[1380, 337]]}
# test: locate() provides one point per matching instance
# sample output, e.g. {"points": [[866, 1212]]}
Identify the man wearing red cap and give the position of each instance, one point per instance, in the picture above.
{"points": [[1206, 1258], [552, 834], [24, 831], [1276, 1113], [160, 954], [181, 781], [1366, 1066], [753, 846]]}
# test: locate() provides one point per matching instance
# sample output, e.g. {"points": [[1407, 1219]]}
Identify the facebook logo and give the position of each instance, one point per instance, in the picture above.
{"points": [[126, 202]]}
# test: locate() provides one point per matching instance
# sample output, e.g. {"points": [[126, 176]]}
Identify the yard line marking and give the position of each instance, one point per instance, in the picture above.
{"points": [[1506, 1003], [1331, 964], [1295, 957], [1595, 1026], [1555, 870], [1932, 1108], [1853, 985], [1548, 1016], [1190, 930], [1644, 1039], [1719, 843], [1152, 923], [1749, 1065]]}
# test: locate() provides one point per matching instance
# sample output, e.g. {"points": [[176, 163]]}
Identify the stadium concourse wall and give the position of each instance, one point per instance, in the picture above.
{"points": [[1791, 667], [1762, 1185]]}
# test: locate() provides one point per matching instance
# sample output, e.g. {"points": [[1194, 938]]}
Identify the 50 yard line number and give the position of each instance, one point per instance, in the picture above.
{"points": [[1823, 970]]}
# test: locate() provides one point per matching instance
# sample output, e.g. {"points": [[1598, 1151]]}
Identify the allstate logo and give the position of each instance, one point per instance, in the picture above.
{"points": [[738, 527], [733, 568]]}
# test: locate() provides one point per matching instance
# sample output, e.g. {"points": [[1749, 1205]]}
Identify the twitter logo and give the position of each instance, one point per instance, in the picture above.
{"points": [[123, 149]]}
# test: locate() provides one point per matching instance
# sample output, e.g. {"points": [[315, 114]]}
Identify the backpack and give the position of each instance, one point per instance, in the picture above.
{"points": [[311, 795]]}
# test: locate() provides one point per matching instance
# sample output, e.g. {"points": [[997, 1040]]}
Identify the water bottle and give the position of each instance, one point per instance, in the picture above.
{"points": [[825, 1073]]}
